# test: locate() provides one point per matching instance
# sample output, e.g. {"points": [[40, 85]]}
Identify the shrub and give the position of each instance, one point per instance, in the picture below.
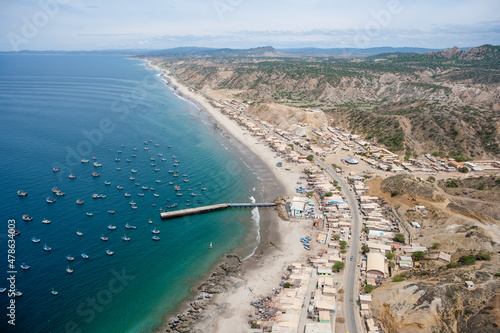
{"points": [[431, 179], [395, 193], [463, 170], [418, 255], [365, 248], [328, 194], [310, 157], [287, 285], [390, 256], [483, 256], [400, 238], [467, 260], [436, 246], [343, 244], [452, 265]]}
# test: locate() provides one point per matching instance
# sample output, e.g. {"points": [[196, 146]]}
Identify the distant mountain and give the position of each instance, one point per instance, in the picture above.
{"points": [[355, 52], [475, 53]]}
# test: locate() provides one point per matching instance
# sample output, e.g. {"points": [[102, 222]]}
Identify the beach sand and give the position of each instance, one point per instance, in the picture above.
{"points": [[279, 247]]}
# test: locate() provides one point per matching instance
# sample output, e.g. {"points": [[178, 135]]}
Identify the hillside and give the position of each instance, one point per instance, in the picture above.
{"points": [[445, 102]]}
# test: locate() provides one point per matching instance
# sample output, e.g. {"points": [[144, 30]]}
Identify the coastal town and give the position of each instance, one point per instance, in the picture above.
{"points": [[330, 164]]}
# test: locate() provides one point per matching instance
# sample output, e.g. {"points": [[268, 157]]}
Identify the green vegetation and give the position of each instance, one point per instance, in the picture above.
{"points": [[436, 246], [467, 260], [343, 244], [336, 236], [398, 278], [418, 255], [368, 288], [338, 266], [328, 194], [431, 179], [365, 248], [310, 157], [400, 238], [390, 255], [287, 285], [483, 256], [452, 265]]}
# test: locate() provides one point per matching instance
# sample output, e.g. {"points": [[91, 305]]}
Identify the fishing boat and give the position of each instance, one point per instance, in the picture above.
{"points": [[169, 146], [158, 181], [137, 184], [133, 171], [117, 160], [104, 238], [56, 169], [119, 151], [111, 227], [46, 248], [145, 188], [210, 246], [125, 238], [103, 196], [79, 202], [186, 180], [156, 195], [152, 189], [193, 194], [84, 255], [45, 221], [18, 293], [132, 203], [133, 207], [27, 218], [132, 178], [129, 160], [157, 145], [60, 193], [136, 149], [140, 194], [150, 221], [146, 148], [118, 169], [170, 171], [72, 176], [152, 158], [22, 193], [163, 159], [24, 266], [157, 170], [109, 252], [69, 270], [176, 175], [107, 183], [70, 258], [119, 187], [84, 160], [17, 233], [54, 292], [94, 158], [95, 196], [35, 240], [50, 200], [179, 194], [2, 290], [185, 175], [177, 188], [155, 231], [203, 188], [160, 154], [170, 183], [128, 226], [95, 174], [89, 214], [78, 232], [111, 211], [97, 165], [127, 194], [155, 238]]}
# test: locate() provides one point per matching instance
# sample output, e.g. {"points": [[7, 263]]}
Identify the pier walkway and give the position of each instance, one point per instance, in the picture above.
{"points": [[211, 208]]}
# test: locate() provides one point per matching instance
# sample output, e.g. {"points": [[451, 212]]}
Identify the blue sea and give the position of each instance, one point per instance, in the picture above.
{"points": [[56, 110]]}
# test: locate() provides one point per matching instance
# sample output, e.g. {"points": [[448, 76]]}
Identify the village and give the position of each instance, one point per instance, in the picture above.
{"points": [[309, 298]]}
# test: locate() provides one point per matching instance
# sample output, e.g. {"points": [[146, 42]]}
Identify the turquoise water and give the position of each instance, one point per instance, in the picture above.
{"points": [[56, 110]]}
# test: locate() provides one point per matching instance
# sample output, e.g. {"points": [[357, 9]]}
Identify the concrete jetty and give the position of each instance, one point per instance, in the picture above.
{"points": [[211, 208]]}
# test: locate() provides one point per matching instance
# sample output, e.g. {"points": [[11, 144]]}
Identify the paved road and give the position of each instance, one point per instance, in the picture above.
{"points": [[352, 319]]}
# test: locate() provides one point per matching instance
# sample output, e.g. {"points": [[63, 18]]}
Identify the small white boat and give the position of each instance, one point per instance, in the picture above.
{"points": [[210, 246], [85, 256], [54, 292], [45, 221], [24, 266], [155, 238], [125, 238], [155, 231], [69, 270], [109, 252], [112, 227], [70, 258], [78, 232], [35, 240]]}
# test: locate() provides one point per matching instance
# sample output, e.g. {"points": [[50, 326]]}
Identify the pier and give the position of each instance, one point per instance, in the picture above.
{"points": [[211, 208]]}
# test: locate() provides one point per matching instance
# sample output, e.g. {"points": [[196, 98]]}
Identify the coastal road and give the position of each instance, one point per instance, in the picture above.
{"points": [[352, 319]]}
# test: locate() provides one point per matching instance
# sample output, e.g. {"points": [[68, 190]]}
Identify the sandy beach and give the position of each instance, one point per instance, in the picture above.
{"points": [[279, 247]]}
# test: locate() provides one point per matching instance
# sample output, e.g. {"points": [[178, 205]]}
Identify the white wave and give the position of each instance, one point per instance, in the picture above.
{"points": [[256, 219]]}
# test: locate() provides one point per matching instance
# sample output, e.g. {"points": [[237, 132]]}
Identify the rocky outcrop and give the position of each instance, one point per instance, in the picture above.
{"points": [[406, 184], [215, 283]]}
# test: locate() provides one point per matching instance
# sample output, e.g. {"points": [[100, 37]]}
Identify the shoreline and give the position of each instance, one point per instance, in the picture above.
{"points": [[278, 246]]}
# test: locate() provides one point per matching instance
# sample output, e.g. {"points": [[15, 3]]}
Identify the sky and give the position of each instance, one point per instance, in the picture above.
{"points": [[160, 24]]}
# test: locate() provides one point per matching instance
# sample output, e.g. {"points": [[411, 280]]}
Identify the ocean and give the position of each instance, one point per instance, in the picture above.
{"points": [[56, 110]]}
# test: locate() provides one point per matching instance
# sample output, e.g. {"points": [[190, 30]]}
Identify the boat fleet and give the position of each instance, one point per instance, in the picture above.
{"points": [[134, 171]]}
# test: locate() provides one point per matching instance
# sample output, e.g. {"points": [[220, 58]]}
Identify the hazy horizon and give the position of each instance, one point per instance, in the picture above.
{"points": [[68, 25]]}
